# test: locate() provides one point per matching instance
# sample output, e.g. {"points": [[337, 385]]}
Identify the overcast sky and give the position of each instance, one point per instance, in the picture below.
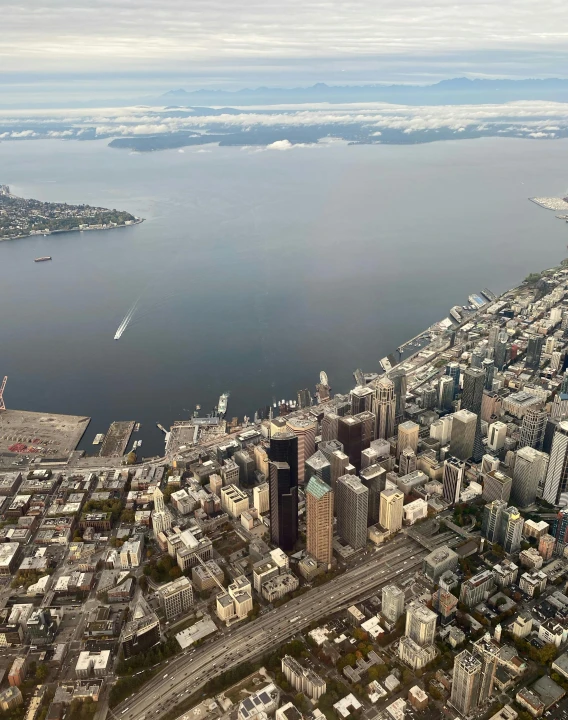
{"points": [[232, 42]]}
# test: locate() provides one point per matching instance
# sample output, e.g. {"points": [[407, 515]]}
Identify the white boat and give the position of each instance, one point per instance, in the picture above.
{"points": [[222, 406]]}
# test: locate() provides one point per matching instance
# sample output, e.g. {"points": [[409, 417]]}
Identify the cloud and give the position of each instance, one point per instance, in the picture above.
{"points": [[280, 145]]}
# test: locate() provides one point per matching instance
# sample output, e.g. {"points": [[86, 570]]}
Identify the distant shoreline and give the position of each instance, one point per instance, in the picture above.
{"points": [[137, 221]]}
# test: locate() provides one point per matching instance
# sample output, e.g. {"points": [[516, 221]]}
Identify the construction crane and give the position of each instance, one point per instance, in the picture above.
{"points": [[2, 405]]}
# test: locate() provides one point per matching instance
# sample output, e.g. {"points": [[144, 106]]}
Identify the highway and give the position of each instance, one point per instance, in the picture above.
{"points": [[187, 674]]}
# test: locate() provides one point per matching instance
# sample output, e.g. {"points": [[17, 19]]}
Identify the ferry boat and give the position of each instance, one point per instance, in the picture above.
{"points": [[43, 259], [222, 406]]}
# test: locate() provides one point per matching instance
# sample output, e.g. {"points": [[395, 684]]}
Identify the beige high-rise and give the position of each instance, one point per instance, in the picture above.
{"points": [[305, 430], [390, 514], [407, 437], [319, 520]]}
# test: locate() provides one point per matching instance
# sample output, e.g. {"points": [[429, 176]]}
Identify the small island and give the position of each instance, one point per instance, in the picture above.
{"points": [[21, 217]]}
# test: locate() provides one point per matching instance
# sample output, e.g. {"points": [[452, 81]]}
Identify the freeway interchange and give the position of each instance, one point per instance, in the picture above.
{"points": [[188, 673]]}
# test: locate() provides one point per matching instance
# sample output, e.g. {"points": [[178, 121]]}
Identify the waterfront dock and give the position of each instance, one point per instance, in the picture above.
{"points": [[117, 438]]}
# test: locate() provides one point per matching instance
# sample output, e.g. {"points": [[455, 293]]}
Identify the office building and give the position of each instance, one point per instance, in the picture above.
{"points": [[407, 462], [329, 426], [472, 396], [352, 501], [349, 433], [489, 463], [283, 487], [361, 399], [339, 462], [446, 393], [161, 518], [452, 479], [246, 465], [305, 429], [261, 497], [428, 397], [390, 512], [438, 562], [490, 526], [496, 486], [319, 466], [392, 605], [176, 597], [496, 436], [462, 439], [466, 683], [534, 352], [369, 457], [302, 679], [234, 500], [441, 429], [93, 663], [532, 429], [385, 408], [319, 520], [415, 655], [491, 406], [367, 428], [502, 352], [477, 588], [489, 366], [420, 624], [529, 470], [374, 479], [399, 381], [407, 437], [511, 532], [488, 651], [304, 399], [546, 544], [453, 370], [557, 474]]}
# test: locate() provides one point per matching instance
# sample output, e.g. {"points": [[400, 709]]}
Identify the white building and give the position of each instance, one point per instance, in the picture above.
{"points": [[176, 597], [93, 663], [415, 510]]}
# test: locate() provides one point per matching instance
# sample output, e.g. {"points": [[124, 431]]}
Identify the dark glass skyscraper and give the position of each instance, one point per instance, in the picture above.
{"points": [[534, 351], [473, 385], [283, 484], [350, 434]]}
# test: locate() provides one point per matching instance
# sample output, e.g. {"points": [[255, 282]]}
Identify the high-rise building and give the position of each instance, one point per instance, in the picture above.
{"points": [[466, 682], [453, 370], [488, 651], [446, 392], [352, 503], [339, 464], [546, 544], [502, 351], [327, 447], [407, 437], [319, 466], [496, 486], [530, 468], [473, 386], [390, 513], [304, 399], [442, 429], [511, 532], [399, 380], [283, 506], [533, 427], [161, 518], [490, 525], [319, 520], [385, 407], [420, 624], [367, 428], [329, 426], [557, 473], [407, 462], [261, 498], [489, 463], [392, 605], [176, 597], [464, 426], [373, 478], [452, 479], [534, 352], [496, 435], [491, 406], [305, 429], [489, 366], [361, 399], [428, 397], [349, 433], [369, 457]]}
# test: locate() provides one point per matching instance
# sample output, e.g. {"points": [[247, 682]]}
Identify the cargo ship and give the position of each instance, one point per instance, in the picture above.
{"points": [[43, 259]]}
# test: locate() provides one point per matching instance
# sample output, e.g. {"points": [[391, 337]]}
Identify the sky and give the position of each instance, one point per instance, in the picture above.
{"points": [[96, 46]]}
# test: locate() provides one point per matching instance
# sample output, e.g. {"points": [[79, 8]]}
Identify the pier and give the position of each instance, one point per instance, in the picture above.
{"points": [[117, 438]]}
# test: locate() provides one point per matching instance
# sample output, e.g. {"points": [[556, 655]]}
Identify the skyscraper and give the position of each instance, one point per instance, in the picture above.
{"points": [[557, 473], [385, 407], [349, 433], [407, 437], [367, 420], [407, 462], [428, 397], [304, 399], [392, 605], [446, 392], [496, 486], [489, 366], [361, 399], [352, 501], [511, 529], [319, 466], [490, 525], [496, 435], [534, 352], [390, 512], [283, 484], [530, 468], [329, 426], [161, 518], [373, 478], [452, 479], [399, 380], [453, 370], [464, 425], [319, 520], [466, 683], [339, 464], [305, 430], [533, 427], [502, 351], [488, 652], [420, 624], [473, 386]]}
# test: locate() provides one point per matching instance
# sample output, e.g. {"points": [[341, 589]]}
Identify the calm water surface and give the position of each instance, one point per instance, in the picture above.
{"points": [[255, 270]]}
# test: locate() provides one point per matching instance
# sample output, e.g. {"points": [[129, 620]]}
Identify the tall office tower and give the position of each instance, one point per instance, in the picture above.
{"points": [[161, 518], [392, 605], [246, 466], [452, 479], [407, 462], [473, 385], [502, 351], [361, 399], [283, 505], [369, 457], [564, 386], [407, 437], [492, 336], [534, 352], [462, 439], [511, 529], [557, 473], [496, 486], [284, 448], [549, 345], [304, 399], [442, 429], [390, 511], [420, 624], [343, 408], [319, 520], [329, 424], [339, 463], [399, 380], [491, 521], [489, 366], [349, 433], [305, 430], [556, 361], [489, 652], [367, 428], [530, 467], [385, 407], [466, 682], [327, 447], [476, 358], [352, 507], [489, 463], [428, 397], [453, 370], [446, 392], [491, 406], [159, 504], [496, 435], [319, 466], [374, 478], [533, 427]]}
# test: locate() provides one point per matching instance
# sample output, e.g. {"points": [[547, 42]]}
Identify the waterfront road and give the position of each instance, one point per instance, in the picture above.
{"points": [[184, 676]]}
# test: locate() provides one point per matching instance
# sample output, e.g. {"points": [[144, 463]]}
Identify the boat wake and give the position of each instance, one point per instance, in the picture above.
{"points": [[126, 321]]}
